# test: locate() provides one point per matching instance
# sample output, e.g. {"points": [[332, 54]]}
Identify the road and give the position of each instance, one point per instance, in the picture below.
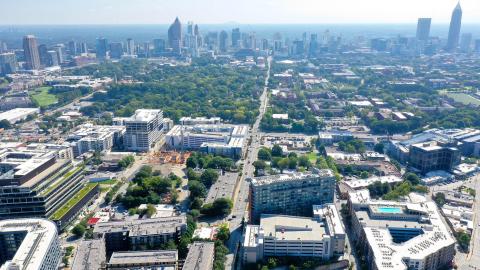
{"points": [[472, 260], [240, 197]]}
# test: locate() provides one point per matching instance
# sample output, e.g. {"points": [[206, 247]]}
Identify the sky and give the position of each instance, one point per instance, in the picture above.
{"points": [[58, 12]]}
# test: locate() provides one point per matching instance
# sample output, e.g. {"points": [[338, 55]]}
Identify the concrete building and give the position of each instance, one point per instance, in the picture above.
{"points": [[200, 256], [331, 137], [31, 244], [433, 156], [158, 259], [140, 234], [8, 63], [423, 28], [91, 138], [18, 114], [35, 182], [218, 139], [400, 235], [290, 194], [454, 30], [175, 36], [90, 255], [30, 49], [322, 236], [144, 130]]}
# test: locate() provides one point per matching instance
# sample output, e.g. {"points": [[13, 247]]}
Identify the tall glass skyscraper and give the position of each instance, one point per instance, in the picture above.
{"points": [[30, 50], [455, 26], [175, 36], [423, 28]]}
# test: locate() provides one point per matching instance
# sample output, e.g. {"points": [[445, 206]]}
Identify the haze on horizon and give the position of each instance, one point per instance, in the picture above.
{"points": [[55, 12]]}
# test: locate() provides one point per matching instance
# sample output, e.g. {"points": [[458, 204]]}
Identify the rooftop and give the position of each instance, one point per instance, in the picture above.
{"points": [[90, 255], [200, 256], [292, 228], [144, 115], [292, 177], [144, 257]]}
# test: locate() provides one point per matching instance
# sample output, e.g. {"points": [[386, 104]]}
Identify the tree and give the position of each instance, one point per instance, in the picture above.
{"points": [[197, 189], [192, 175], [364, 175], [463, 239], [259, 165], [192, 162], [264, 154], [144, 172], [283, 164], [223, 232], [5, 124], [150, 211], [79, 230], [292, 163], [209, 177], [439, 198], [379, 148], [126, 161], [304, 161], [412, 178], [220, 207], [277, 151]]}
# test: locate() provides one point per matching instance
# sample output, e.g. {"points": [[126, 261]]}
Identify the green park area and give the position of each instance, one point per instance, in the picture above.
{"points": [[43, 98], [463, 98]]}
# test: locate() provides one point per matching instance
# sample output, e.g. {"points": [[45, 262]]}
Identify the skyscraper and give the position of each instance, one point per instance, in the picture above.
{"points": [[83, 47], [102, 48], [423, 28], [236, 37], [158, 46], [466, 42], [72, 48], [455, 26], [8, 63], [223, 41], [30, 49], [43, 53], [60, 49], [116, 50], [175, 36], [130, 47]]}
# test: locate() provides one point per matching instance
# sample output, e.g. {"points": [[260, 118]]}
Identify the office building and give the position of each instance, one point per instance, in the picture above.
{"points": [[158, 46], [290, 194], [8, 63], [83, 48], [175, 36], [433, 156], [43, 54], [116, 50], [60, 50], [30, 50], [454, 30], [130, 46], [477, 45], [52, 59], [31, 244], [400, 235], [144, 130], [16, 115], [322, 236], [200, 256], [236, 37], [423, 28], [93, 138], [211, 137], [72, 48], [156, 259], [140, 234], [223, 41], [102, 48], [90, 255], [37, 181], [466, 42]]}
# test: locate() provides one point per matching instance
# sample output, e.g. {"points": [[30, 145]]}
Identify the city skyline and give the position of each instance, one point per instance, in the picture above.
{"points": [[245, 12]]}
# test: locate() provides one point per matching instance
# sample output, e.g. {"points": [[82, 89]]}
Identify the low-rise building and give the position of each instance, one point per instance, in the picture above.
{"points": [[290, 194], [400, 235], [433, 156], [90, 255], [158, 259], [322, 236], [19, 114], [200, 256], [139, 234], [29, 244], [91, 138]]}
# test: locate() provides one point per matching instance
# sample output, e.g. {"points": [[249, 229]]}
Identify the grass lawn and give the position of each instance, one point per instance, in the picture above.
{"points": [[73, 201], [464, 98], [110, 182], [62, 180], [43, 98], [312, 156]]}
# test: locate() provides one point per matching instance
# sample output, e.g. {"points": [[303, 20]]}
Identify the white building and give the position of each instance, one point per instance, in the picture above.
{"points": [[322, 236], [144, 130], [400, 235], [90, 137], [19, 114], [29, 244]]}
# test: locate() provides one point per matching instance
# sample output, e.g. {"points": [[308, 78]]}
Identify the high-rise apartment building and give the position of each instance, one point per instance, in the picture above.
{"points": [[144, 130], [236, 37], [175, 36], [455, 26], [130, 46], [466, 42], [116, 50], [423, 28], [223, 39], [291, 194], [30, 49]]}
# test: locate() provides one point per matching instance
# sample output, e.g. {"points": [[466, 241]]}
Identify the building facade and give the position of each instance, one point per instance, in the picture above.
{"points": [[143, 130], [290, 194]]}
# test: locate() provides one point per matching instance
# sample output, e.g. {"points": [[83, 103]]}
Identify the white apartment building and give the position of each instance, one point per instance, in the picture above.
{"points": [[400, 235], [322, 236], [89, 137], [31, 244], [144, 130]]}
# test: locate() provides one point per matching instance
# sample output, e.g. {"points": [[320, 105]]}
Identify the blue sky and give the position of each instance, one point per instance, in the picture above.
{"points": [[14, 12]]}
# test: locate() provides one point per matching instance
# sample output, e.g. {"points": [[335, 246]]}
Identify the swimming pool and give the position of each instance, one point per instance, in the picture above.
{"points": [[389, 210]]}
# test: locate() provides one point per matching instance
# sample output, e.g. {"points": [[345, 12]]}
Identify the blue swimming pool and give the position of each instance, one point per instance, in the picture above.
{"points": [[390, 210]]}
